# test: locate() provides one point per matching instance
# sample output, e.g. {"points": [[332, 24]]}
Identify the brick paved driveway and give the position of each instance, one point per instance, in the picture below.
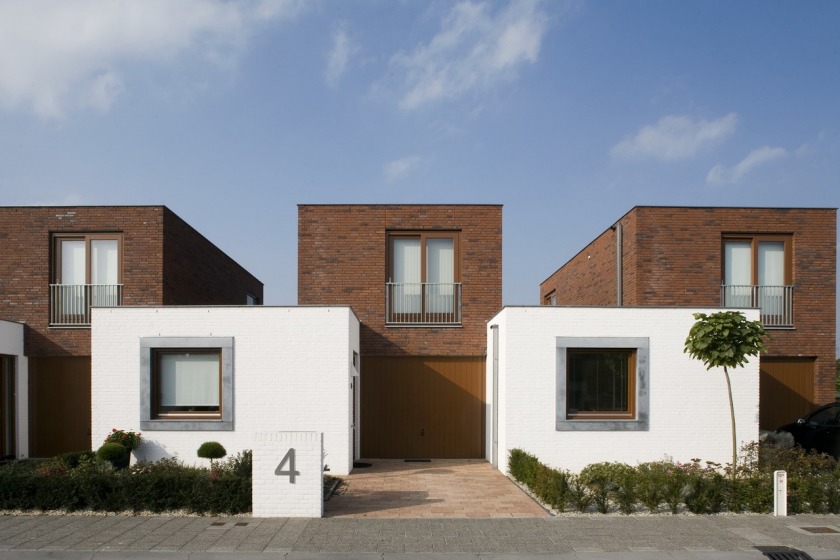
{"points": [[442, 488]]}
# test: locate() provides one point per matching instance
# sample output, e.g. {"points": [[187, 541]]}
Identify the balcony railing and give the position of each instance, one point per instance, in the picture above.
{"points": [[775, 302], [423, 304], [70, 303]]}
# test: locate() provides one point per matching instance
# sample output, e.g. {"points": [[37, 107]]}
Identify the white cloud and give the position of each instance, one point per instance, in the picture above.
{"points": [[401, 168], [474, 50], [676, 137], [720, 174], [338, 58], [57, 56]]}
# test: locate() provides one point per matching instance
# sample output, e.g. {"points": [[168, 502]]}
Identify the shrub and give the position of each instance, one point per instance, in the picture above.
{"points": [[650, 484], [599, 479], [211, 450], [579, 495], [522, 467], [114, 453], [551, 486]]}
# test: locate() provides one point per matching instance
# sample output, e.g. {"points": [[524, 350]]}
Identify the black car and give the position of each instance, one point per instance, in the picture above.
{"points": [[819, 430]]}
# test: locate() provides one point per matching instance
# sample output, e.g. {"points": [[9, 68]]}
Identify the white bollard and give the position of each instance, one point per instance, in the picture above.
{"points": [[780, 493]]}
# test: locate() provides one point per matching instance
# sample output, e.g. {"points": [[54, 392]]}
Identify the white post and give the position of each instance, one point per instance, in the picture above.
{"points": [[288, 474], [780, 493]]}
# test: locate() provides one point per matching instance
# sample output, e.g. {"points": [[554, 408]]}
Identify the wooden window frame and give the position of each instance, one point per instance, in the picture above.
{"points": [[630, 413], [57, 238], [755, 239], [157, 413], [423, 236]]}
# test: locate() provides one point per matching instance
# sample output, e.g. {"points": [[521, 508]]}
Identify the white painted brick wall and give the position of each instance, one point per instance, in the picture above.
{"points": [[11, 344], [279, 495], [291, 372], [689, 408]]}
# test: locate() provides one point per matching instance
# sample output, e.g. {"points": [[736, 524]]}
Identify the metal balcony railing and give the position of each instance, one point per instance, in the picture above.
{"points": [[70, 303], [423, 304], [775, 302]]}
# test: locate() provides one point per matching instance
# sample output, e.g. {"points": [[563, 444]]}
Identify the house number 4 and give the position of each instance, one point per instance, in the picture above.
{"points": [[288, 461]]}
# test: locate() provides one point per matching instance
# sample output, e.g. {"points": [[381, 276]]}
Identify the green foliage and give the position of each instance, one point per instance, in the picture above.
{"points": [[579, 495], [651, 479], [724, 339], [211, 450], [112, 452], [92, 484], [129, 440], [599, 479], [522, 467]]}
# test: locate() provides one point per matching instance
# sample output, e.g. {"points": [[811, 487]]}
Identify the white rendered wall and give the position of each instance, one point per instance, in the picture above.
{"points": [[292, 368], [689, 407], [11, 344]]}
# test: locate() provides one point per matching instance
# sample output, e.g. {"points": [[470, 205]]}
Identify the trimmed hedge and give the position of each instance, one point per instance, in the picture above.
{"points": [[56, 484], [702, 488]]}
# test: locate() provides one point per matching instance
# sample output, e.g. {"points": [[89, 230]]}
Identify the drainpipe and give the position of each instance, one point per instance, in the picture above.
{"points": [[619, 272]]}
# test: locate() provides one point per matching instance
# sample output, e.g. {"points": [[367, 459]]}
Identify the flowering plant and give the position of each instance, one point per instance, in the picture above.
{"points": [[129, 440]]}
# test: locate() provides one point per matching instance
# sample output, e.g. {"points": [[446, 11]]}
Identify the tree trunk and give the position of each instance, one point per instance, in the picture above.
{"points": [[732, 417]]}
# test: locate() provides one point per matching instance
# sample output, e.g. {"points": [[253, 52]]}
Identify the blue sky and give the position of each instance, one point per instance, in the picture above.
{"points": [[568, 113]]}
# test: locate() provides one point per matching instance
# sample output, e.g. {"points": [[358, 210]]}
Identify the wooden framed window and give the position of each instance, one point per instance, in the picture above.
{"points": [[600, 383], [424, 275], [87, 258], [603, 384], [757, 271], [187, 383]]}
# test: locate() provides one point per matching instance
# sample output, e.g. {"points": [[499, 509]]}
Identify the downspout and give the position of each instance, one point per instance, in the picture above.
{"points": [[619, 272]]}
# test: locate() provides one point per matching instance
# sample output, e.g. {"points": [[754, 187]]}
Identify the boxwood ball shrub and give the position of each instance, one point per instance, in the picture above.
{"points": [[114, 453], [211, 450]]}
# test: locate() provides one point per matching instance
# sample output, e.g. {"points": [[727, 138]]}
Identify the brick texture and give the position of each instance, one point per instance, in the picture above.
{"points": [[672, 256], [165, 261], [342, 259]]}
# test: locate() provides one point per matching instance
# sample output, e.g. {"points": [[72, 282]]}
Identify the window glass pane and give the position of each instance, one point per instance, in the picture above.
{"points": [[440, 275], [738, 273], [73, 262], [104, 261], [771, 263], [598, 381], [189, 381], [406, 293]]}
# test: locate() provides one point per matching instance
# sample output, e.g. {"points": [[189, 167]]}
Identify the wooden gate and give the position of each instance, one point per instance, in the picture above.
{"points": [[59, 405], [422, 407], [786, 390]]}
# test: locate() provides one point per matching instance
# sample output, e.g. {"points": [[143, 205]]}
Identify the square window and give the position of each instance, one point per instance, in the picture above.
{"points": [[186, 383], [602, 383]]}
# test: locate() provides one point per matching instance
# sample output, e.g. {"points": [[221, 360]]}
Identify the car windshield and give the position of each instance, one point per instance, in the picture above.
{"points": [[824, 417]]}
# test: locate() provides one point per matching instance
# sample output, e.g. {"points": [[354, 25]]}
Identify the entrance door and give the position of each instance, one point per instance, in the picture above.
{"points": [[786, 390], [422, 407], [7, 407], [59, 405]]}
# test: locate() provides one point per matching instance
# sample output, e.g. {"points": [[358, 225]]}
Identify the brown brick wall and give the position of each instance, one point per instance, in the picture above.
{"points": [[673, 257], [26, 266], [196, 272], [342, 259]]}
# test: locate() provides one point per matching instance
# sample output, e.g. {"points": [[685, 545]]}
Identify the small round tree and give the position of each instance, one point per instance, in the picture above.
{"points": [[212, 450], [725, 339]]}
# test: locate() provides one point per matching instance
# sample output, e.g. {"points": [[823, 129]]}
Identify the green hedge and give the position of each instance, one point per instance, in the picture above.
{"points": [[703, 488], [83, 482]]}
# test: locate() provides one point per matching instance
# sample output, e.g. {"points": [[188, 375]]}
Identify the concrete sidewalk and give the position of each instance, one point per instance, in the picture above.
{"points": [[613, 537]]}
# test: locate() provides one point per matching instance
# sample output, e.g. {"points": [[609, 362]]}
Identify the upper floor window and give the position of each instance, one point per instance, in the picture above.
{"points": [[550, 298], [757, 273], [86, 272], [423, 278]]}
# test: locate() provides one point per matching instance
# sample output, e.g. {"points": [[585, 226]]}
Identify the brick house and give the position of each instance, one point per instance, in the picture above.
{"points": [[58, 262], [780, 260], [423, 280]]}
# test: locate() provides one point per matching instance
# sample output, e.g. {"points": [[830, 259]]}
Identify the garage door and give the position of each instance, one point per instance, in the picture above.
{"points": [[422, 407], [786, 390]]}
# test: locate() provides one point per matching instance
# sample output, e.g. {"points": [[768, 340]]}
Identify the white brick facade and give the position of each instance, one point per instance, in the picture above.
{"points": [[292, 371], [688, 405], [287, 479]]}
